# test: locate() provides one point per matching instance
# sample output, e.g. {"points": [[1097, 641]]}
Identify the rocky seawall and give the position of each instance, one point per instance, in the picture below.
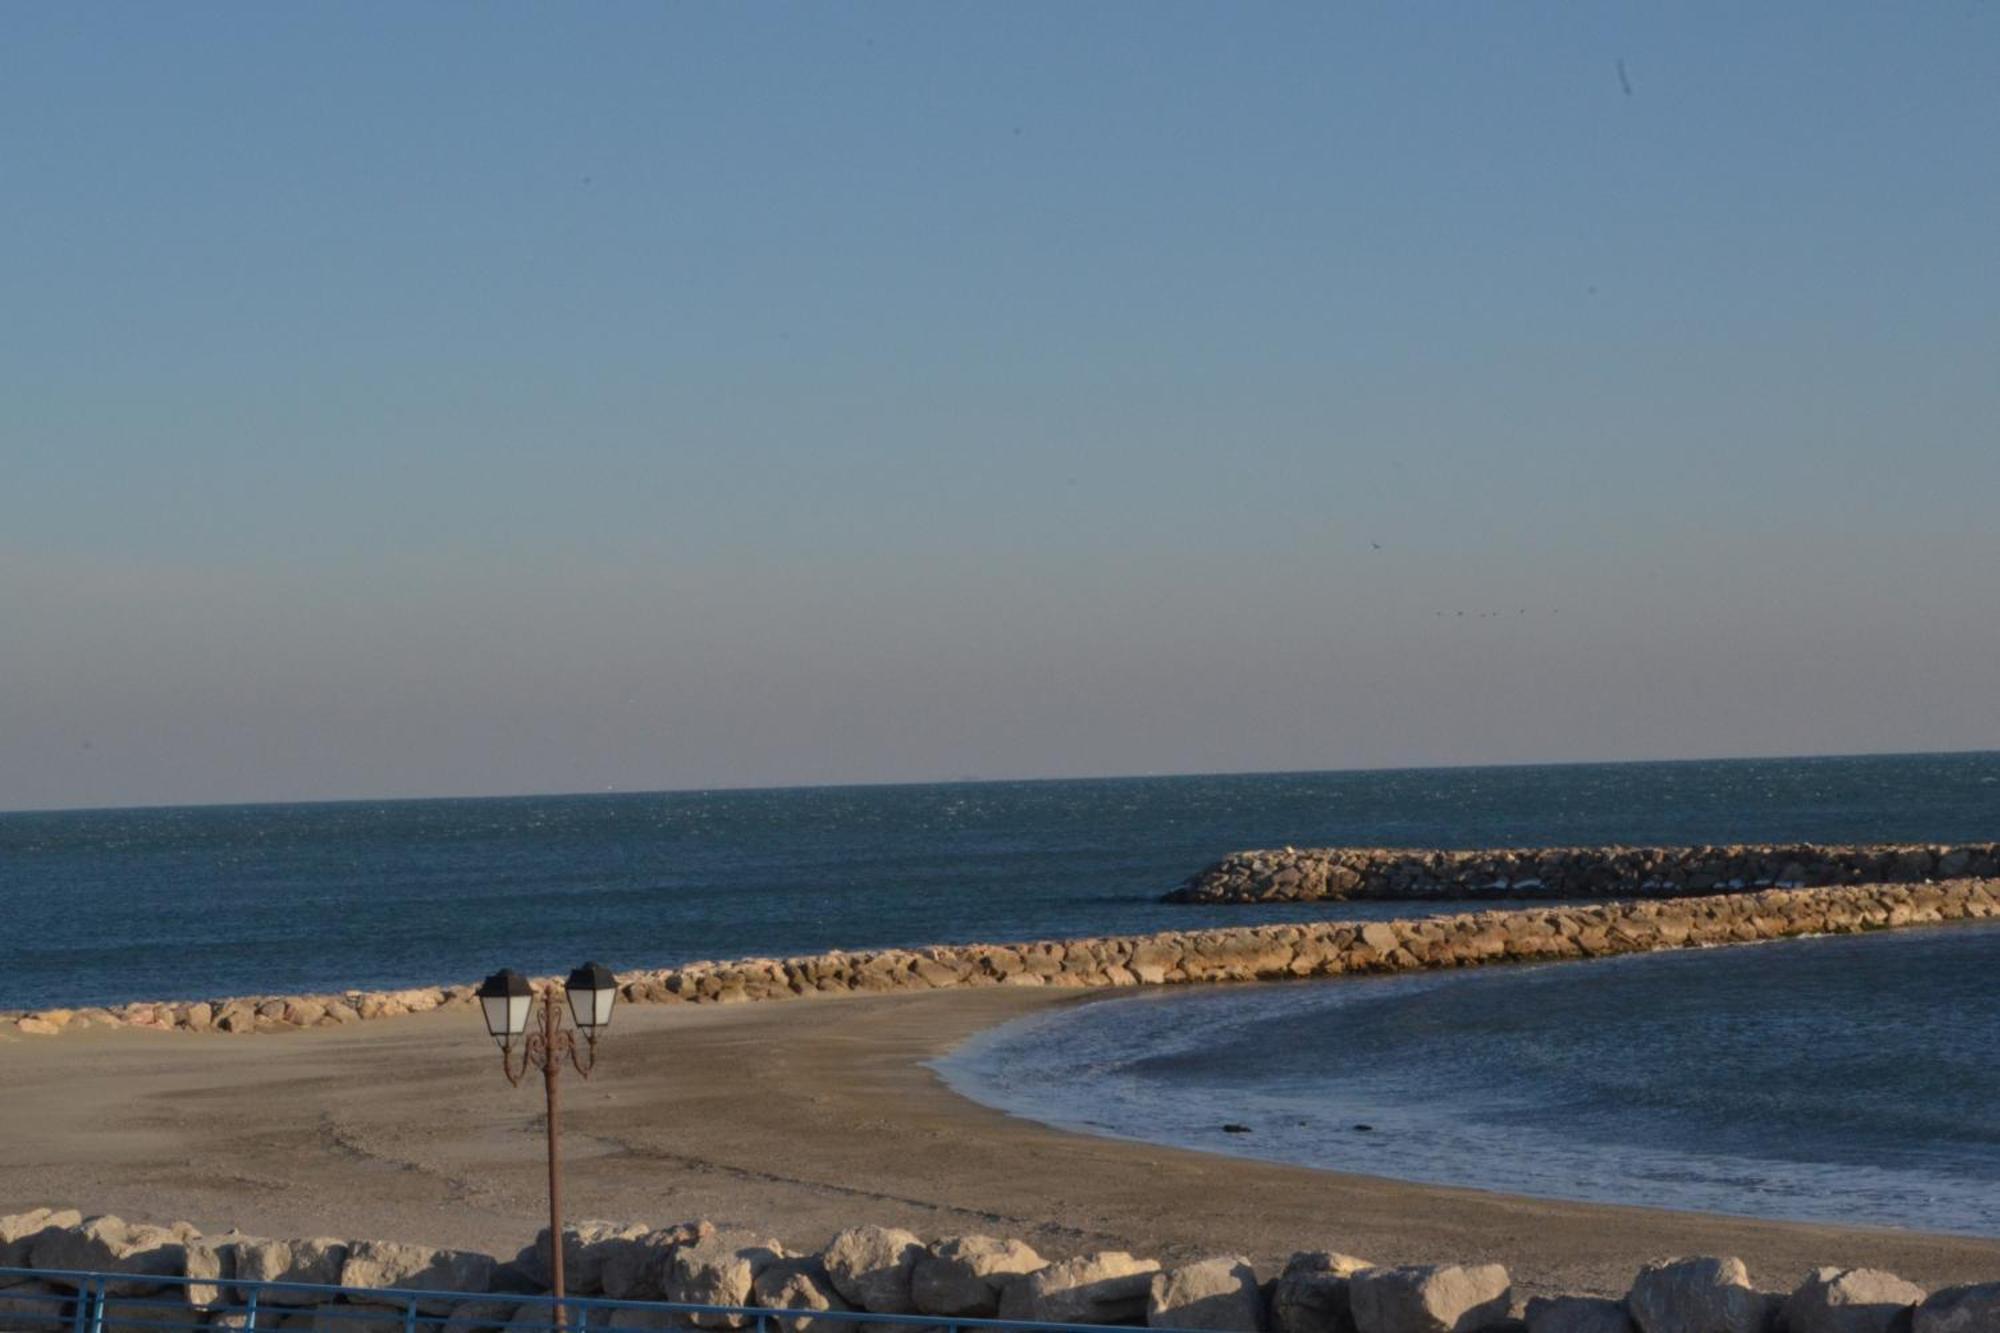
{"points": [[175, 1277], [1246, 953], [1305, 874]]}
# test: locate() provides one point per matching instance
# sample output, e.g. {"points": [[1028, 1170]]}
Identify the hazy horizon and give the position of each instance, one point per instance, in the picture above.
{"points": [[969, 780], [459, 401]]}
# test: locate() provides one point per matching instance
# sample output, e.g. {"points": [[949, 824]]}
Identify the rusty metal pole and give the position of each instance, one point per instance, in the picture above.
{"points": [[551, 1072]]}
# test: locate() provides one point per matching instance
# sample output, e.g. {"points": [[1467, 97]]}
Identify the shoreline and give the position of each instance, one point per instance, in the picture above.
{"points": [[1242, 953], [1210, 1093], [796, 1121]]}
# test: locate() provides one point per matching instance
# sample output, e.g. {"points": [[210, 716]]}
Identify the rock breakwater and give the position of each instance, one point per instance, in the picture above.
{"points": [[1306, 874], [174, 1277], [1244, 953]]}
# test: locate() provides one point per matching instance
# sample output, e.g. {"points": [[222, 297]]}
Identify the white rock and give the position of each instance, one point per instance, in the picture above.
{"points": [[317, 1261], [339, 1318], [1429, 1298], [481, 1316], [209, 1262], [19, 1232], [1577, 1314], [32, 1305], [798, 1284], [1108, 1287], [1968, 1309], [964, 1275], [586, 1244], [387, 1263], [1311, 1295], [1210, 1293], [719, 1270], [1851, 1300], [636, 1270], [1704, 1295], [871, 1266]]}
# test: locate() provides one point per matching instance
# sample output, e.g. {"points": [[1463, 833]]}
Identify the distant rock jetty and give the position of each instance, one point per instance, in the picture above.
{"points": [[1309, 874], [1242, 953], [890, 1271]]}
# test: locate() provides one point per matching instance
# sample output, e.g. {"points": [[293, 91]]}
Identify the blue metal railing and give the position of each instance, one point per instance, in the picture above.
{"points": [[67, 1301]]}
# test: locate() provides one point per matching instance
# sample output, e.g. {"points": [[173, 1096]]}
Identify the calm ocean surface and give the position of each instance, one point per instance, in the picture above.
{"points": [[1850, 1079], [102, 906]]}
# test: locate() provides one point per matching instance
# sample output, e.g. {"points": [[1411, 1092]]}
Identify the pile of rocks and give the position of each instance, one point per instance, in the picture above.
{"points": [[1304, 874], [888, 1271], [1244, 953]]}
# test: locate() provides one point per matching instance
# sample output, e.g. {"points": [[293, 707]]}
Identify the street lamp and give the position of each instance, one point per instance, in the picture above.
{"points": [[507, 1001]]}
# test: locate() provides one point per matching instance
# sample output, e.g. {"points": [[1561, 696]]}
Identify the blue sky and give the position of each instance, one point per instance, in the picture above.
{"points": [[457, 399]]}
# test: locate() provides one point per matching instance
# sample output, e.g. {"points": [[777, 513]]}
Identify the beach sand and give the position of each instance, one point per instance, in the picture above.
{"points": [[794, 1119]]}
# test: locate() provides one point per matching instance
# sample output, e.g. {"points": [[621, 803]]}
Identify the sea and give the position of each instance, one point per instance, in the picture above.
{"points": [[1849, 1079]]}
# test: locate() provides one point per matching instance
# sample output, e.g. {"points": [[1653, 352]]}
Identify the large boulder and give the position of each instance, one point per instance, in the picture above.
{"points": [[483, 1316], [316, 1262], [392, 1264], [1710, 1294], [1108, 1287], [1210, 1293], [636, 1269], [1577, 1314], [1311, 1295], [1970, 1309], [1851, 1300], [28, 1304], [209, 1264], [89, 1245], [587, 1245], [719, 1269], [1429, 1298], [798, 1284], [111, 1245], [964, 1275], [339, 1318], [871, 1266], [20, 1232]]}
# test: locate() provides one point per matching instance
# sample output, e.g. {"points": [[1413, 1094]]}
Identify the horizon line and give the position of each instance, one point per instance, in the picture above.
{"points": [[610, 792]]}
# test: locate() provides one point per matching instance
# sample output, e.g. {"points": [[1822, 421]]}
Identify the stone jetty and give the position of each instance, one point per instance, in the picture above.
{"points": [[888, 1271], [1293, 874], [1243, 953]]}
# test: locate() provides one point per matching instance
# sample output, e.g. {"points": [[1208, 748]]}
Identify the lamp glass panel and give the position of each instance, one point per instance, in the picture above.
{"points": [[591, 1008], [494, 1009]]}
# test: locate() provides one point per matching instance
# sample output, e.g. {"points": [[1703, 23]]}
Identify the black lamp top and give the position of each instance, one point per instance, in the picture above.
{"points": [[504, 984]]}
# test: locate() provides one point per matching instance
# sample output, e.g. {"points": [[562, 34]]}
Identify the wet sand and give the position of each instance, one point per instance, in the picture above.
{"points": [[791, 1118]]}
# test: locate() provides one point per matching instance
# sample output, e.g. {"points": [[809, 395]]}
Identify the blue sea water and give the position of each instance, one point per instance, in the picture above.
{"points": [[1847, 1079], [103, 906]]}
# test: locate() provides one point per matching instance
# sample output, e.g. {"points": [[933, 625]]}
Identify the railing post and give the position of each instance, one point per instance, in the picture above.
{"points": [[101, 1290], [410, 1316], [250, 1311]]}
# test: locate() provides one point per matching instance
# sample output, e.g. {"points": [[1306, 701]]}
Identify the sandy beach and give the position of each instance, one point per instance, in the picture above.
{"points": [[793, 1118]]}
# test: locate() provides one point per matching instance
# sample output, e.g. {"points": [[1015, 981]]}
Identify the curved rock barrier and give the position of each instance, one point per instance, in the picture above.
{"points": [[1306, 874], [889, 1271], [1241, 953]]}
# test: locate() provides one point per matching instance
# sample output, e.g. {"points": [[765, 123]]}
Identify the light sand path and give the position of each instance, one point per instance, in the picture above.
{"points": [[794, 1118]]}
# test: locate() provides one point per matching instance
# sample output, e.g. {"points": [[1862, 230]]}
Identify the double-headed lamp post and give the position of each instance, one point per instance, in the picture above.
{"points": [[508, 1000]]}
